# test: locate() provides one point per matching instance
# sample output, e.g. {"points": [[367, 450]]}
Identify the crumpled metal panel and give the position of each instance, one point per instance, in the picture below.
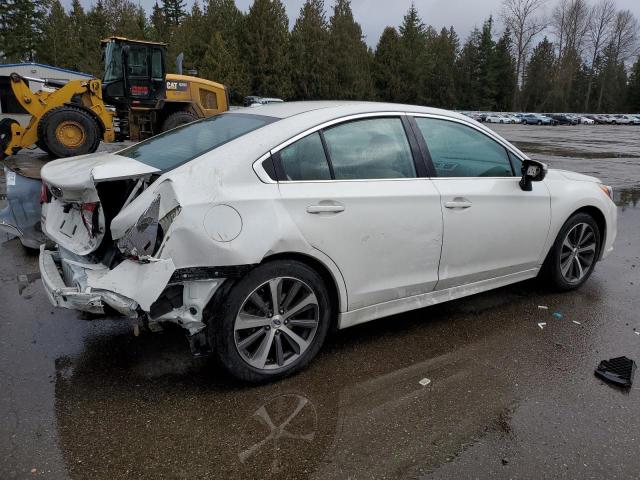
{"points": [[140, 239]]}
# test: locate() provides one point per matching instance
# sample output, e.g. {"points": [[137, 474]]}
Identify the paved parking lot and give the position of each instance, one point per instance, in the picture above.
{"points": [[86, 399]]}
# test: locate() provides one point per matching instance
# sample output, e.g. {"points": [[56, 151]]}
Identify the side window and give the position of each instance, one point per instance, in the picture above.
{"points": [[461, 151], [305, 159], [370, 149]]}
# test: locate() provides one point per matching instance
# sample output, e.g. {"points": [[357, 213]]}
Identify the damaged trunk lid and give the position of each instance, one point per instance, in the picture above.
{"points": [[75, 212]]}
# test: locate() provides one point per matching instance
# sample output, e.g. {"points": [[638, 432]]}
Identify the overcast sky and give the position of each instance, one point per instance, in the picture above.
{"points": [[375, 15]]}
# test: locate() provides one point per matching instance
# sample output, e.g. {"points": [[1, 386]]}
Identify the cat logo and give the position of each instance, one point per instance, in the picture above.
{"points": [[177, 86]]}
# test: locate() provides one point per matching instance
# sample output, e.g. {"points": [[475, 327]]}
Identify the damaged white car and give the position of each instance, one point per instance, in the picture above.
{"points": [[260, 229]]}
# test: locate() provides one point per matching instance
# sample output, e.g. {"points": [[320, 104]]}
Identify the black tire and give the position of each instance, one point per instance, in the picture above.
{"points": [[221, 323], [5, 135], [176, 119], [82, 121], [539, 122], [551, 270]]}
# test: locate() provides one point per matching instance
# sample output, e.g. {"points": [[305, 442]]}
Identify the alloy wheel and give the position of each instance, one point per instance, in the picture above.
{"points": [[276, 323], [578, 252]]}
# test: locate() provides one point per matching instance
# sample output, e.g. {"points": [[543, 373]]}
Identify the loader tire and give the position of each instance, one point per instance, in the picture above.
{"points": [[68, 131], [5, 135], [178, 118]]}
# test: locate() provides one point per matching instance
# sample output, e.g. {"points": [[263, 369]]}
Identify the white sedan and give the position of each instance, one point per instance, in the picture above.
{"points": [[259, 230], [586, 121], [499, 118]]}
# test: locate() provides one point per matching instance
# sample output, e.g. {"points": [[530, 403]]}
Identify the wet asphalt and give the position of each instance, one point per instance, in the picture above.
{"points": [[86, 399]]}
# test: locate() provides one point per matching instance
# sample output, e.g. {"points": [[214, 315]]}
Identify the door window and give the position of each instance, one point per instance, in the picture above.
{"points": [[305, 159], [370, 149], [461, 151]]}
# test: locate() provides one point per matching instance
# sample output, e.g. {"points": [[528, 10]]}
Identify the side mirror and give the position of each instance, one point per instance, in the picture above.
{"points": [[532, 171]]}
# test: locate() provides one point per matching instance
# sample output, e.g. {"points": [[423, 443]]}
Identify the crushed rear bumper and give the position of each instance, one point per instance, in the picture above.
{"points": [[75, 297]]}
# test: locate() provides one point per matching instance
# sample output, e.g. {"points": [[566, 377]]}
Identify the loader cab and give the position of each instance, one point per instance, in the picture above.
{"points": [[134, 73]]}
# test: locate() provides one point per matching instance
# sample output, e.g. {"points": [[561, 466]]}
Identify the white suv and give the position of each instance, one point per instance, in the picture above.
{"points": [[258, 230]]}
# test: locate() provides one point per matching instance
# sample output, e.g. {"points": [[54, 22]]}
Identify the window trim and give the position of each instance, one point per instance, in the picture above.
{"points": [[427, 155], [416, 154]]}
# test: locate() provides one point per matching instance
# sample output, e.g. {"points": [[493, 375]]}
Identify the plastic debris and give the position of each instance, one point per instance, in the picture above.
{"points": [[424, 382], [576, 322], [637, 333], [617, 370], [557, 314], [542, 325], [543, 307]]}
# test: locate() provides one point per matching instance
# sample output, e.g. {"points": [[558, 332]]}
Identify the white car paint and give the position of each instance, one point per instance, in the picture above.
{"points": [[586, 121], [389, 245]]}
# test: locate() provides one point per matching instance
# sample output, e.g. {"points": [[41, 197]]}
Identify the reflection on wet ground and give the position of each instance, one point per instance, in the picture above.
{"points": [[86, 399]]}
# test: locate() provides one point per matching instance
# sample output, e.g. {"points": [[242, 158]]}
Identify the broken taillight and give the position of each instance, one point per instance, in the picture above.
{"points": [[45, 194]]}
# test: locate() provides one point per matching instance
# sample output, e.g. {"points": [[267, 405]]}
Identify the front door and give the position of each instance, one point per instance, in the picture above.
{"points": [[354, 194], [492, 227]]}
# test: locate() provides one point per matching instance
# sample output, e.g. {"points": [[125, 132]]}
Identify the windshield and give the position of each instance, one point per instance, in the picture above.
{"points": [[112, 62], [175, 147]]}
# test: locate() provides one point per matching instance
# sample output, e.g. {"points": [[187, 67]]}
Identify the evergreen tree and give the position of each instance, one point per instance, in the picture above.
{"points": [[174, 11], [190, 38], [442, 81], [266, 46], [21, 23], [413, 59], [468, 72], [78, 37], [158, 24], [538, 82], [633, 92], [350, 75], [54, 47], [222, 65], [309, 52], [98, 27], [505, 72], [386, 67], [486, 73]]}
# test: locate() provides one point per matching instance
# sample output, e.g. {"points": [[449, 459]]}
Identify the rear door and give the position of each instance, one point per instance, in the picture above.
{"points": [[492, 227], [357, 194]]}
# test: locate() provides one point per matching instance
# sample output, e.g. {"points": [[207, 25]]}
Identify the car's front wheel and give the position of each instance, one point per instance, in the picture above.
{"points": [[574, 253], [273, 321]]}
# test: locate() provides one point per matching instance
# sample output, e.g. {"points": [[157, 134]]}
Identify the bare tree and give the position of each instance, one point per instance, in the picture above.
{"points": [[523, 18], [598, 33]]}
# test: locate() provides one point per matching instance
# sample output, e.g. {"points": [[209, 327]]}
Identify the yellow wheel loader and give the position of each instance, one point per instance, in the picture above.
{"points": [[136, 99]]}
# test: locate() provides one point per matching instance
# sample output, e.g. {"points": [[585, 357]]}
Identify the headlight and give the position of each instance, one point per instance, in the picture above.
{"points": [[607, 190]]}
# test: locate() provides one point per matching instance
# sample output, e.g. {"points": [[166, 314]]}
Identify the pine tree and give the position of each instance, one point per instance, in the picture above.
{"points": [[309, 53], [487, 75], [98, 27], [442, 82], [468, 73], [350, 75], [414, 66], [386, 67], [158, 24], [174, 11], [21, 25], [78, 37], [54, 47], [222, 65], [505, 72], [538, 81], [266, 46]]}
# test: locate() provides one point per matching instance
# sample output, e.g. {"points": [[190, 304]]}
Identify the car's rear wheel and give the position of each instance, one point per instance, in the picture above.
{"points": [[273, 321], [574, 253], [539, 122]]}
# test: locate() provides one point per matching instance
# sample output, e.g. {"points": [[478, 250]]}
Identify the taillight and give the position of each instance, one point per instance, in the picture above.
{"points": [[45, 194]]}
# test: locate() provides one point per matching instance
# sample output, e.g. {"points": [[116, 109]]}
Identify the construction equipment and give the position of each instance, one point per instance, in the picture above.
{"points": [[136, 99]]}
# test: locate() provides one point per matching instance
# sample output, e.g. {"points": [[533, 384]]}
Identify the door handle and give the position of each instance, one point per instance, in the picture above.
{"points": [[458, 203], [316, 209]]}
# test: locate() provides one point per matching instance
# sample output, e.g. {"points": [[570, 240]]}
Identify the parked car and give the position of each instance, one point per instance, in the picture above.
{"points": [[622, 120], [563, 119], [258, 231], [535, 119], [254, 100], [586, 121]]}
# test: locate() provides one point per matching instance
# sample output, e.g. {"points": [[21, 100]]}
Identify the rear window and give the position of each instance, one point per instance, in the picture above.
{"points": [[175, 147]]}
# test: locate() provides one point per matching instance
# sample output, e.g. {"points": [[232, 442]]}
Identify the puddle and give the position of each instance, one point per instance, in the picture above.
{"points": [[627, 197], [531, 147]]}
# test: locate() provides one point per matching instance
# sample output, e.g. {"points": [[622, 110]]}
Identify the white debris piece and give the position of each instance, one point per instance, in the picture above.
{"points": [[637, 333], [542, 325], [424, 382], [543, 307], [576, 322]]}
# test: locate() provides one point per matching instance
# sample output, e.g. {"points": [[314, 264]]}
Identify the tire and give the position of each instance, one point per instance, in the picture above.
{"points": [[177, 119], [614, 123], [84, 133], [5, 134], [539, 122], [558, 277], [227, 339]]}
